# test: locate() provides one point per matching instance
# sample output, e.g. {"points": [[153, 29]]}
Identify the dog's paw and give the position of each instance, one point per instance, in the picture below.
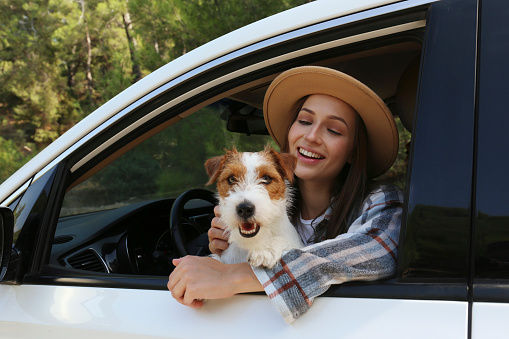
{"points": [[263, 258]]}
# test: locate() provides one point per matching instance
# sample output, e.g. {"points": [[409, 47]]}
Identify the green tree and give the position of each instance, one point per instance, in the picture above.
{"points": [[34, 104], [183, 25], [61, 59]]}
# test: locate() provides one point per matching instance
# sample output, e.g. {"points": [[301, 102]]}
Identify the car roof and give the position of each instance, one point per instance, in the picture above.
{"points": [[287, 21]]}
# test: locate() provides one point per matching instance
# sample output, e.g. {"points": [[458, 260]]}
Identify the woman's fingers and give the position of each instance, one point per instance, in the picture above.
{"points": [[218, 240], [218, 237], [174, 278], [216, 211], [178, 285], [218, 246], [178, 291], [219, 229]]}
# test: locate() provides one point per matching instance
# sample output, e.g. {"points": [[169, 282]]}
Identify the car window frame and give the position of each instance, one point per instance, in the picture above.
{"points": [[490, 179]]}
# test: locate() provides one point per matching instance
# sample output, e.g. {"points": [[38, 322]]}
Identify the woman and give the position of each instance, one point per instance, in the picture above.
{"points": [[343, 135]]}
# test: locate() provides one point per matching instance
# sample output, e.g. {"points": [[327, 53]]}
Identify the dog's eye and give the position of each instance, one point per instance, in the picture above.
{"points": [[266, 179], [231, 180]]}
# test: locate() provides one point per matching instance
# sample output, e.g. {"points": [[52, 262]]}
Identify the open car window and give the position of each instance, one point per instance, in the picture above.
{"points": [[117, 219], [166, 164], [115, 214]]}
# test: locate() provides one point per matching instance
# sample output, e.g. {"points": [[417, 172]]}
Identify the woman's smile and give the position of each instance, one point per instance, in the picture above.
{"points": [[309, 155]]}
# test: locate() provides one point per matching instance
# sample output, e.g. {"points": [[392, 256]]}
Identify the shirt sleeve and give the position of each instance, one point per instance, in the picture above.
{"points": [[367, 251]]}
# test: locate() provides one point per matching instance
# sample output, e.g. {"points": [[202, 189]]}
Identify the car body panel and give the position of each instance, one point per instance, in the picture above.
{"points": [[124, 313], [489, 320]]}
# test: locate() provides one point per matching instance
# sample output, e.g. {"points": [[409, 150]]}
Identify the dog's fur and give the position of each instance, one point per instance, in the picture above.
{"points": [[254, 195]]}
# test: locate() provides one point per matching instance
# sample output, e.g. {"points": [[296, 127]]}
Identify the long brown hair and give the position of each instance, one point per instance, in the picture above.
{"points": [[350, 188]]}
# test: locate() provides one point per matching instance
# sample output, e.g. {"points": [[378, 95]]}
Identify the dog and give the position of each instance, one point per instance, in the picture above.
{"points": [[254, 196]]}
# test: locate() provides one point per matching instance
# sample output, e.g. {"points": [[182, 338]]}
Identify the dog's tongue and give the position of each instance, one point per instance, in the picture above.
{"points": [[247, 226]]}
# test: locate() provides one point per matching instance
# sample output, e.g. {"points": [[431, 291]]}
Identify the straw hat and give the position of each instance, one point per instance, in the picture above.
{"points": [[296, 83]]}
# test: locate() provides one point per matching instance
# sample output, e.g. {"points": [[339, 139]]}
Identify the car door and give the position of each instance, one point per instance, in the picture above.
{"points": [[42, 299], [491, 234]]}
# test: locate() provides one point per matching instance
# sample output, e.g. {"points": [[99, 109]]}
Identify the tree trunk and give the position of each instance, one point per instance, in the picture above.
{"points": [[71, 71], [88, 68], [133, 46], [90, 82]]}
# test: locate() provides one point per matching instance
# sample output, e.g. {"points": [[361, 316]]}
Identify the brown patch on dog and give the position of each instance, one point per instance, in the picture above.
{"points": [[222, 167], [233, 168], [285, 162], [213, 166], [276, 188]]}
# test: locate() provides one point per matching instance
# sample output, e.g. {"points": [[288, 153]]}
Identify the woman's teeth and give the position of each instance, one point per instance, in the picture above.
{"points": [[310, 154]]}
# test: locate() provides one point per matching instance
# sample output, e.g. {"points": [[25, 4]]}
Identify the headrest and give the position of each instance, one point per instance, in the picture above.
{"points": [[406, 93]]}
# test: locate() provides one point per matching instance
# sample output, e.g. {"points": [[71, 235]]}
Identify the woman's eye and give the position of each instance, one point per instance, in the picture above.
{"points": [[266, 179], [304, 122], [334, 132], [231, 180]]}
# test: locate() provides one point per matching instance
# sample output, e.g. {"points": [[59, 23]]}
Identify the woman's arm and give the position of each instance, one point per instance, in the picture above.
{"points": [[198, 278], [366, 252]]}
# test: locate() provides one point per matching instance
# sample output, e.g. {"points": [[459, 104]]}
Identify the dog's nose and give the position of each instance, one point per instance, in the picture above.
{"points": [[245, 210]]}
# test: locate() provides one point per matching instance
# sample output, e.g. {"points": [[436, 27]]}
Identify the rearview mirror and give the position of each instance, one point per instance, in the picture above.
{"points": [[247, 124], [6, 231]]}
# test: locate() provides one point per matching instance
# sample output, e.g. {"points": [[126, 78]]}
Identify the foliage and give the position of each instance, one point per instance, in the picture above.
{"points": [[10, 157], [397, 173], [61, 59]]}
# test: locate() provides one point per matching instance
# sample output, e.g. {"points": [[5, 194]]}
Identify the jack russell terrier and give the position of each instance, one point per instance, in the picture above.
{"points": [[254, 197]]}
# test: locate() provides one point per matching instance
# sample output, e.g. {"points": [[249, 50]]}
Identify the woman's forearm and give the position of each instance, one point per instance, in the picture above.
{"points": [[243, 279]]}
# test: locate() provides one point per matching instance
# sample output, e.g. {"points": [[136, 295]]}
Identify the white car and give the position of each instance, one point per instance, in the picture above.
{"points": [[86, 240]]}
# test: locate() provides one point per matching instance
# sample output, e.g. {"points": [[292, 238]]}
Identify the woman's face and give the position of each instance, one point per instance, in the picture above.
{"points": [[322, 137]]}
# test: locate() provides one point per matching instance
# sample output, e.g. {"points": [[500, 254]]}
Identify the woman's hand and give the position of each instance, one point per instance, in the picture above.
{"points": [[218, 237], [198, 278]]}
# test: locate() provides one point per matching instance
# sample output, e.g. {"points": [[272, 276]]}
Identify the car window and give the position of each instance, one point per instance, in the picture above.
{"points": [[117, 220], [115, 212], [163, 166]]}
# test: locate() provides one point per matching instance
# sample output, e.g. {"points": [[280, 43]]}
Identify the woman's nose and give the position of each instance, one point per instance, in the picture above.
{"points": [[313, 135]]}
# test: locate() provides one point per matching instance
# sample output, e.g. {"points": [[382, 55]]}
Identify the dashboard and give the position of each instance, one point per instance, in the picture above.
{"points": [[133, 239]]}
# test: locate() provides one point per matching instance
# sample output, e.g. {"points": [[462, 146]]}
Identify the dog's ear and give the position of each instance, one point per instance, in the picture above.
{"points": [[213, 166], [287, 163]]}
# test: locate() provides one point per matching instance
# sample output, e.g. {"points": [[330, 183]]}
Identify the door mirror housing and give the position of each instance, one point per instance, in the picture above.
{"points": [[6, 233]]}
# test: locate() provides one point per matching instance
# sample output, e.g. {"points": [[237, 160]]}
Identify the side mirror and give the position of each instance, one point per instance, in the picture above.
{"points": [[6, 233]]}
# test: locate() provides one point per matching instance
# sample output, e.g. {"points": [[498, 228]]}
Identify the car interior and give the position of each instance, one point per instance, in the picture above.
{"points": [[147, 203]]}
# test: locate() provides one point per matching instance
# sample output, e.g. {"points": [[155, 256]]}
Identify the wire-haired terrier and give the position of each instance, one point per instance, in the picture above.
{"points": [[254, 197]]}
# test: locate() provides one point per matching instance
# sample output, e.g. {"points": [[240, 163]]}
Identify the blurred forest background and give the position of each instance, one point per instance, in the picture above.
{"points": [[62, 59]]}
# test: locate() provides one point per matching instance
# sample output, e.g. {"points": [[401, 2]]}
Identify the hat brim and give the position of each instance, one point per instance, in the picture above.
{"points": [[294, 84]]}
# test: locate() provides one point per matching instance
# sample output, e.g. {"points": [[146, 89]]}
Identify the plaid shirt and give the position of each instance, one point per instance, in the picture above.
{"points": [[366, 252]]}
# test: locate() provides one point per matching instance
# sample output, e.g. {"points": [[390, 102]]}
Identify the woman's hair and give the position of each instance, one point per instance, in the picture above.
{"points": [[350, 188]]}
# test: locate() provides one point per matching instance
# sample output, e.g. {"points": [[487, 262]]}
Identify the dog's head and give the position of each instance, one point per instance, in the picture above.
{"points": [[252, 187]]}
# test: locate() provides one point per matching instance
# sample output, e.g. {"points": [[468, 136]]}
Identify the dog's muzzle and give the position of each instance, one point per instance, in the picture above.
{"points": [[246, 210]]}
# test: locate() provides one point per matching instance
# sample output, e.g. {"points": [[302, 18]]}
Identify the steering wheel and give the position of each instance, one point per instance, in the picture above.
{"points": [[177, 215]]}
